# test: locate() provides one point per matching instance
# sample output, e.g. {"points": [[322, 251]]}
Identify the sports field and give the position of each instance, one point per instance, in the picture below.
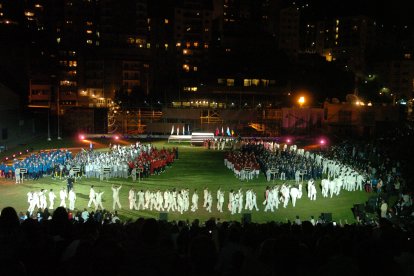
{"points": [[196, 168]]}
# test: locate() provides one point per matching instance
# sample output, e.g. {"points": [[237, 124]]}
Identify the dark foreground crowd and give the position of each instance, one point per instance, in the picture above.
{"points": [[63, 246]]}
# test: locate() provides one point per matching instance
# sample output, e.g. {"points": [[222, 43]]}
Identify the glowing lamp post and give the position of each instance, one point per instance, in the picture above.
{"points": [[301, 101], [322, 143]]}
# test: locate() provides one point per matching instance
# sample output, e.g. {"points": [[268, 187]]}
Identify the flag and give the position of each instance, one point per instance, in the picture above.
{"points": [[188, 129], [228, 131], [217, 132], [222, 131], [172, 130], [178, 131], [183, 130]]}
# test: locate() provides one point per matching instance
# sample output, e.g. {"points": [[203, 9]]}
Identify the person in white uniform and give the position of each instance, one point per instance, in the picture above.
{"points": [[194, 201], [63, 195], [115, 196], [72, 199], [52, 197], [92, 195]]}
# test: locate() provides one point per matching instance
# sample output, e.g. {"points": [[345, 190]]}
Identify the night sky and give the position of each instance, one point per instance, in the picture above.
{"points": [[388, 12]]}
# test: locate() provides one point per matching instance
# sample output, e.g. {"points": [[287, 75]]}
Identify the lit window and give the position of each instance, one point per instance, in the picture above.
{"points": [[265, 82], [188, 44], [195, 44], [178, 44], [195, 68], [88, 23], [228, 50], [166, 21], [206, 29], [220, 81], [166, 45], [88, 31], [148, 45], [205, 45], [247, 82], [255, 82], [89, 41], [230, 82], [58, 39], [407, 56]]}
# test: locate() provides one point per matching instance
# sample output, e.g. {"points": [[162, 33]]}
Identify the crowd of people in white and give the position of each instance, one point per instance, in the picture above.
{"points": [[166, 201]]}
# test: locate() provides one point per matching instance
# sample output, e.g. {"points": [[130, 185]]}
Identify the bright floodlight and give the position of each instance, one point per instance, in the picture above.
{"points": [[82, 137], [288, 140], [301, 100], [322, 141], [116, 137]]}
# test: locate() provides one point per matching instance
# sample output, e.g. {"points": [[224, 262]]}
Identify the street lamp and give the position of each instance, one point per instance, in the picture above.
{"points": [[301, 101]]}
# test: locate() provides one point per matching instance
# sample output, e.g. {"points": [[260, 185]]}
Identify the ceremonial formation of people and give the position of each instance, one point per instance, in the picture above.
{"points": [[167, 201], [124, 161], [136, 160], [340, 168], [36, 165], [296, 168]]}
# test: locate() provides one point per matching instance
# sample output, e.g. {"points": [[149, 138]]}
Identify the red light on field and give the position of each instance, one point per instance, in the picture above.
{"points": [[14, 155], [116, 137], [322, 142], [20, 153], [82, 137], [287, 140], [7, 158]]}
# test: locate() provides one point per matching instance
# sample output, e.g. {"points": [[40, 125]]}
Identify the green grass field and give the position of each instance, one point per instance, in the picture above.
{"points": [[196, 168]]}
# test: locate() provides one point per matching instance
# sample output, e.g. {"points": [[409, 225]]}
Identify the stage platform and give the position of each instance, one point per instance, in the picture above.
{"points": [[179, 138]]}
